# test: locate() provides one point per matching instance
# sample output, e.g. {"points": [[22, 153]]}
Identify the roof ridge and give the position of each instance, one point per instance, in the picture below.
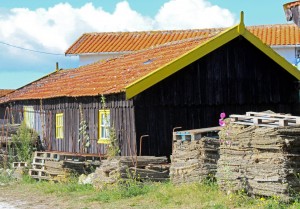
{"points": [[271, 25], [92, 42], [181, 30], [129, 53], [134, 72], [154, 31]]}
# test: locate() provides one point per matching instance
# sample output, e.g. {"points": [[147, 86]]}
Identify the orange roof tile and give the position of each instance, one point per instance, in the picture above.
{"points": [[133, 41], [291, 4], [280, 34], [129, 71], [111, 76], [4, 92]]}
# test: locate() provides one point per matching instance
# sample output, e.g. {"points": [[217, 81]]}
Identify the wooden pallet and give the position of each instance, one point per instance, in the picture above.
{"points": [[38, 166], [47, 156], [265, 119], [195, 134], [39, 160], [19, 164], [53, 166], [35, 173], [57, 156]]}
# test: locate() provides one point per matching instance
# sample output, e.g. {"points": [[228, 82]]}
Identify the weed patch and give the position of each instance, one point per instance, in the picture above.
{"points": [[124, 190], [5, 177], [23, 143]]}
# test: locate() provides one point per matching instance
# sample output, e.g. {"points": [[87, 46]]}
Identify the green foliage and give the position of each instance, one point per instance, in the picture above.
{"points": [[24, 142], [5, 176], [84, 137], [66, 188], [134, 194], [125, 189], [61, 188], [113, 148], [26, 179]]}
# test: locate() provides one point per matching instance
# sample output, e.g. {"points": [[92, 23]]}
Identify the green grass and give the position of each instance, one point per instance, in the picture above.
{"points": [[5, 179], [132, 194], [124, 190]]}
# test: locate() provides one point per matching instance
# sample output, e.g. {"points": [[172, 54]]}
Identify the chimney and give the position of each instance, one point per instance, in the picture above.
{"points": [[57, 69]]}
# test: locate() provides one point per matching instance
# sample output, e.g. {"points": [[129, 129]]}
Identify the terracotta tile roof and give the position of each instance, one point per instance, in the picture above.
{"points": [[280, 34], [106, 77], [133, 41], [291, 4], [4, 92]]}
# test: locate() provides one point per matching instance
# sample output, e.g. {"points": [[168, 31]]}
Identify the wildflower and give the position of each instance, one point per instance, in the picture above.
{"points": [[222, 115], [221, 122]]}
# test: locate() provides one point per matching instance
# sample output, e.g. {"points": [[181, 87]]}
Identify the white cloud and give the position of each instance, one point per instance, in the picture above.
{"points": [[190, 14], [54, 29]]}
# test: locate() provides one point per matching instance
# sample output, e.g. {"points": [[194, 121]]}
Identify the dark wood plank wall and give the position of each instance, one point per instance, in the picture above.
{"points": [[3, 115], [122, 117], [233, 79], [2, 112]]}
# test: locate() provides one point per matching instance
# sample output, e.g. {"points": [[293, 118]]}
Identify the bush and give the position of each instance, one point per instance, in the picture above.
{"points": [[23, 143]]}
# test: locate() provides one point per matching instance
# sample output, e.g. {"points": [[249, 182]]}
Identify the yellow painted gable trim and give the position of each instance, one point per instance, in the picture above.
{"points": [[272, 54], [204, 49], [184, 60]]}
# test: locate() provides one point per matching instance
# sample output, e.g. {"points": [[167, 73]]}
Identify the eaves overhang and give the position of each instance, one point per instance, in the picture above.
{"points": [[203, 49]]}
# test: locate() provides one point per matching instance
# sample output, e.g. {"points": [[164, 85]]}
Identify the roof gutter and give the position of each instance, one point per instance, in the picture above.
{"points": [[100, 53], [284, 46]]}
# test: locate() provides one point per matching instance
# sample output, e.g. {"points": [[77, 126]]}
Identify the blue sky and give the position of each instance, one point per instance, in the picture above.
{"points": [[52, 26]]}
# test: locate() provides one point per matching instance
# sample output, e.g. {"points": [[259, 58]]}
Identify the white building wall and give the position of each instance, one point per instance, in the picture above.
{"points": [[289, 53], [85, 59]]}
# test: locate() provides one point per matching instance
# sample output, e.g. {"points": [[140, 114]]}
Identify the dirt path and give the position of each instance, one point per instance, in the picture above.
{"points": [[20, 196]]}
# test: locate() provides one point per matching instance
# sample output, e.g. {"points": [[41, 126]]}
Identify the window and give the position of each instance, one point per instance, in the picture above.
{"points": [[29, 116], [104, 124], [59, 129]]}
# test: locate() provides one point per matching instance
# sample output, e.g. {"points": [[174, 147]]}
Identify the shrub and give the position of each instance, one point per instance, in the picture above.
{"points": [[23, 143]]}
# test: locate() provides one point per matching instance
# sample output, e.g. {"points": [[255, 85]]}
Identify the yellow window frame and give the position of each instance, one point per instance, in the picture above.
{"points": [[104, 124], [28, 116], [59, 128]]}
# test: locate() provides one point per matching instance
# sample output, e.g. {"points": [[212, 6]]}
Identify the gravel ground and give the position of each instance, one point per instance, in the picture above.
{"points": [[4, 205], [18, 196]]}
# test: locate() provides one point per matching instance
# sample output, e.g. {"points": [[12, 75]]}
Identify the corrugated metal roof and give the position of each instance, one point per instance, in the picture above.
{"points": [[280, 34]]}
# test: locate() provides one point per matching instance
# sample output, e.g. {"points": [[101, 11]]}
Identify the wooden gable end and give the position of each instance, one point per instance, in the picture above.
{"points": [[235, 78]]}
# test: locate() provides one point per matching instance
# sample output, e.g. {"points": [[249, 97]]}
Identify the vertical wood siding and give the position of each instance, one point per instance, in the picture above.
{"points": [[122, 117], [233, 79]]}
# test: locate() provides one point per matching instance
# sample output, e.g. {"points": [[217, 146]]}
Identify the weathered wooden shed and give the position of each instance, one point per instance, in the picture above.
{"points": [[179, 84], [3, 92]]}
